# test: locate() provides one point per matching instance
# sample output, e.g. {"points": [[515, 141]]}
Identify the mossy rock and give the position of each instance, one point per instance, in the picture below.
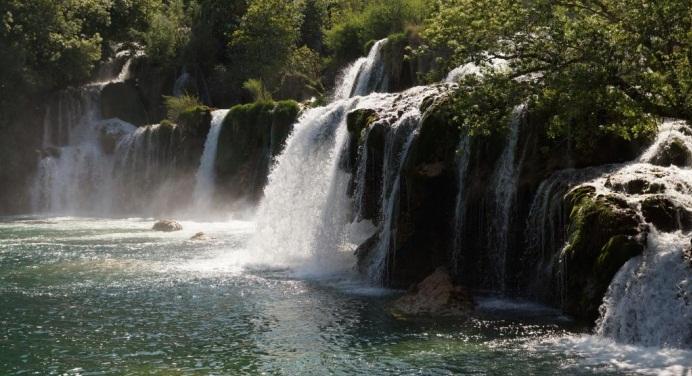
{"points": [[251, 136], [618, 250], [196, 120], [673, 152], [604, 233], [359, 120]]}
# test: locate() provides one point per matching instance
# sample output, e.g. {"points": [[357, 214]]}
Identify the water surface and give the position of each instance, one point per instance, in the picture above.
{"points": [[95, 297]]}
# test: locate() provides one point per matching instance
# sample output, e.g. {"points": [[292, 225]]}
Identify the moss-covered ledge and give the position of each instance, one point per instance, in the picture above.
{"points": [[251, 136]]}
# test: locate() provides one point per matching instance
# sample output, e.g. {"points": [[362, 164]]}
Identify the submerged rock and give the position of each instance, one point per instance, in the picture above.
{"points": [[167, 225], [436, 295], [200, 237]]}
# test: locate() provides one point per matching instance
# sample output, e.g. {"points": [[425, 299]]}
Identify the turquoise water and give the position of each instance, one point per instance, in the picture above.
{"points": [[101, 297]]}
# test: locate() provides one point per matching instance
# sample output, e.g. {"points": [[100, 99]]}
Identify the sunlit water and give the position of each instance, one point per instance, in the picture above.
{"points": [[95, 297]]}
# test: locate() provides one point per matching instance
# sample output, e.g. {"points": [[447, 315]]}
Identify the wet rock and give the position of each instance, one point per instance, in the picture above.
{"points": [[604, 232], [200, 237], [251, 136], [665, 214], [673, 152], [436, 295], [167, 225], [636, 186]]}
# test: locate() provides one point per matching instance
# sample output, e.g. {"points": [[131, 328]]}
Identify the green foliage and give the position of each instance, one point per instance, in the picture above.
{"points": [[263, 43], [167, 32], [177, 106], [588, 66], [376, 20], [257, 89]]}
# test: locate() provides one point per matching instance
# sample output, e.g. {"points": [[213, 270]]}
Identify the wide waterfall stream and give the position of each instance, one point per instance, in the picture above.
{"points": [[87, 288]]}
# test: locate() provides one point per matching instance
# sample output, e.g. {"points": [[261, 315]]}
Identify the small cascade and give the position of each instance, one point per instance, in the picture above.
{"points": [[205, 178], [463, 159], [395, 152], [649, 302], [181, 83], [504, 188], [96, 166], [346, 83], [144, 170], [371, 77]]}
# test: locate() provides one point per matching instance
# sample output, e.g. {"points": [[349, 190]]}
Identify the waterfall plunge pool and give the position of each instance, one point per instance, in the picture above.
{"points": [[95, 296]]}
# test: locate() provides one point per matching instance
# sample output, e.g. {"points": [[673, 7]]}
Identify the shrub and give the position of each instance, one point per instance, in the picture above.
{"points": [[257, 89], [177, 106]]}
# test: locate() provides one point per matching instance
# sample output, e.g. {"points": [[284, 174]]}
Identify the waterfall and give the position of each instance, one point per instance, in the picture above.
{"points": [[649, 302], [504, 187], [372, 75], [463, 159], [205, 177], [395, 155], [348, 79], [96, 166]]}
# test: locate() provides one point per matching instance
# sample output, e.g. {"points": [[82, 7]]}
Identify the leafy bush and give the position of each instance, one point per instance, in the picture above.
{"points": [[257, 89], [376, 20], [177, 106]]}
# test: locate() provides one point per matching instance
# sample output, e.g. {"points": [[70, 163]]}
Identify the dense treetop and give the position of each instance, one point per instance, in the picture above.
{"points": [[596, 65]]}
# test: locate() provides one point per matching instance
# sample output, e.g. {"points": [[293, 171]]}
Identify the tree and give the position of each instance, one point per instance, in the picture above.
{"points": [[604, 65], [267, 35]]}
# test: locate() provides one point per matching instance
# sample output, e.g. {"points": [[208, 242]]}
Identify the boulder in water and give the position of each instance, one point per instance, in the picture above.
{"points": [[167, 225], [665, 214], [673, 152], [200, 237], [436, 295]]}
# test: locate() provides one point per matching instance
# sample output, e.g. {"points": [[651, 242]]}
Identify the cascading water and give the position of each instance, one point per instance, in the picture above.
{"points": [[649, 301], [395, 156], [205, 178], [371, 76]]}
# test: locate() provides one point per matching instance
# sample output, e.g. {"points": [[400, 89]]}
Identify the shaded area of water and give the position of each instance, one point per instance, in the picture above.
{"points": [[86, 296]]}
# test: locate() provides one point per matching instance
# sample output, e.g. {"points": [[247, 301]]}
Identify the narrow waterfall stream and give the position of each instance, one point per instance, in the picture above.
{"points": [[205, 178]]}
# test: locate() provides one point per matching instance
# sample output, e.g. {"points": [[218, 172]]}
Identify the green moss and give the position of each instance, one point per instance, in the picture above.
{"points": [[359, 120], [248, 132], [602, 236], [195, 117]]}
